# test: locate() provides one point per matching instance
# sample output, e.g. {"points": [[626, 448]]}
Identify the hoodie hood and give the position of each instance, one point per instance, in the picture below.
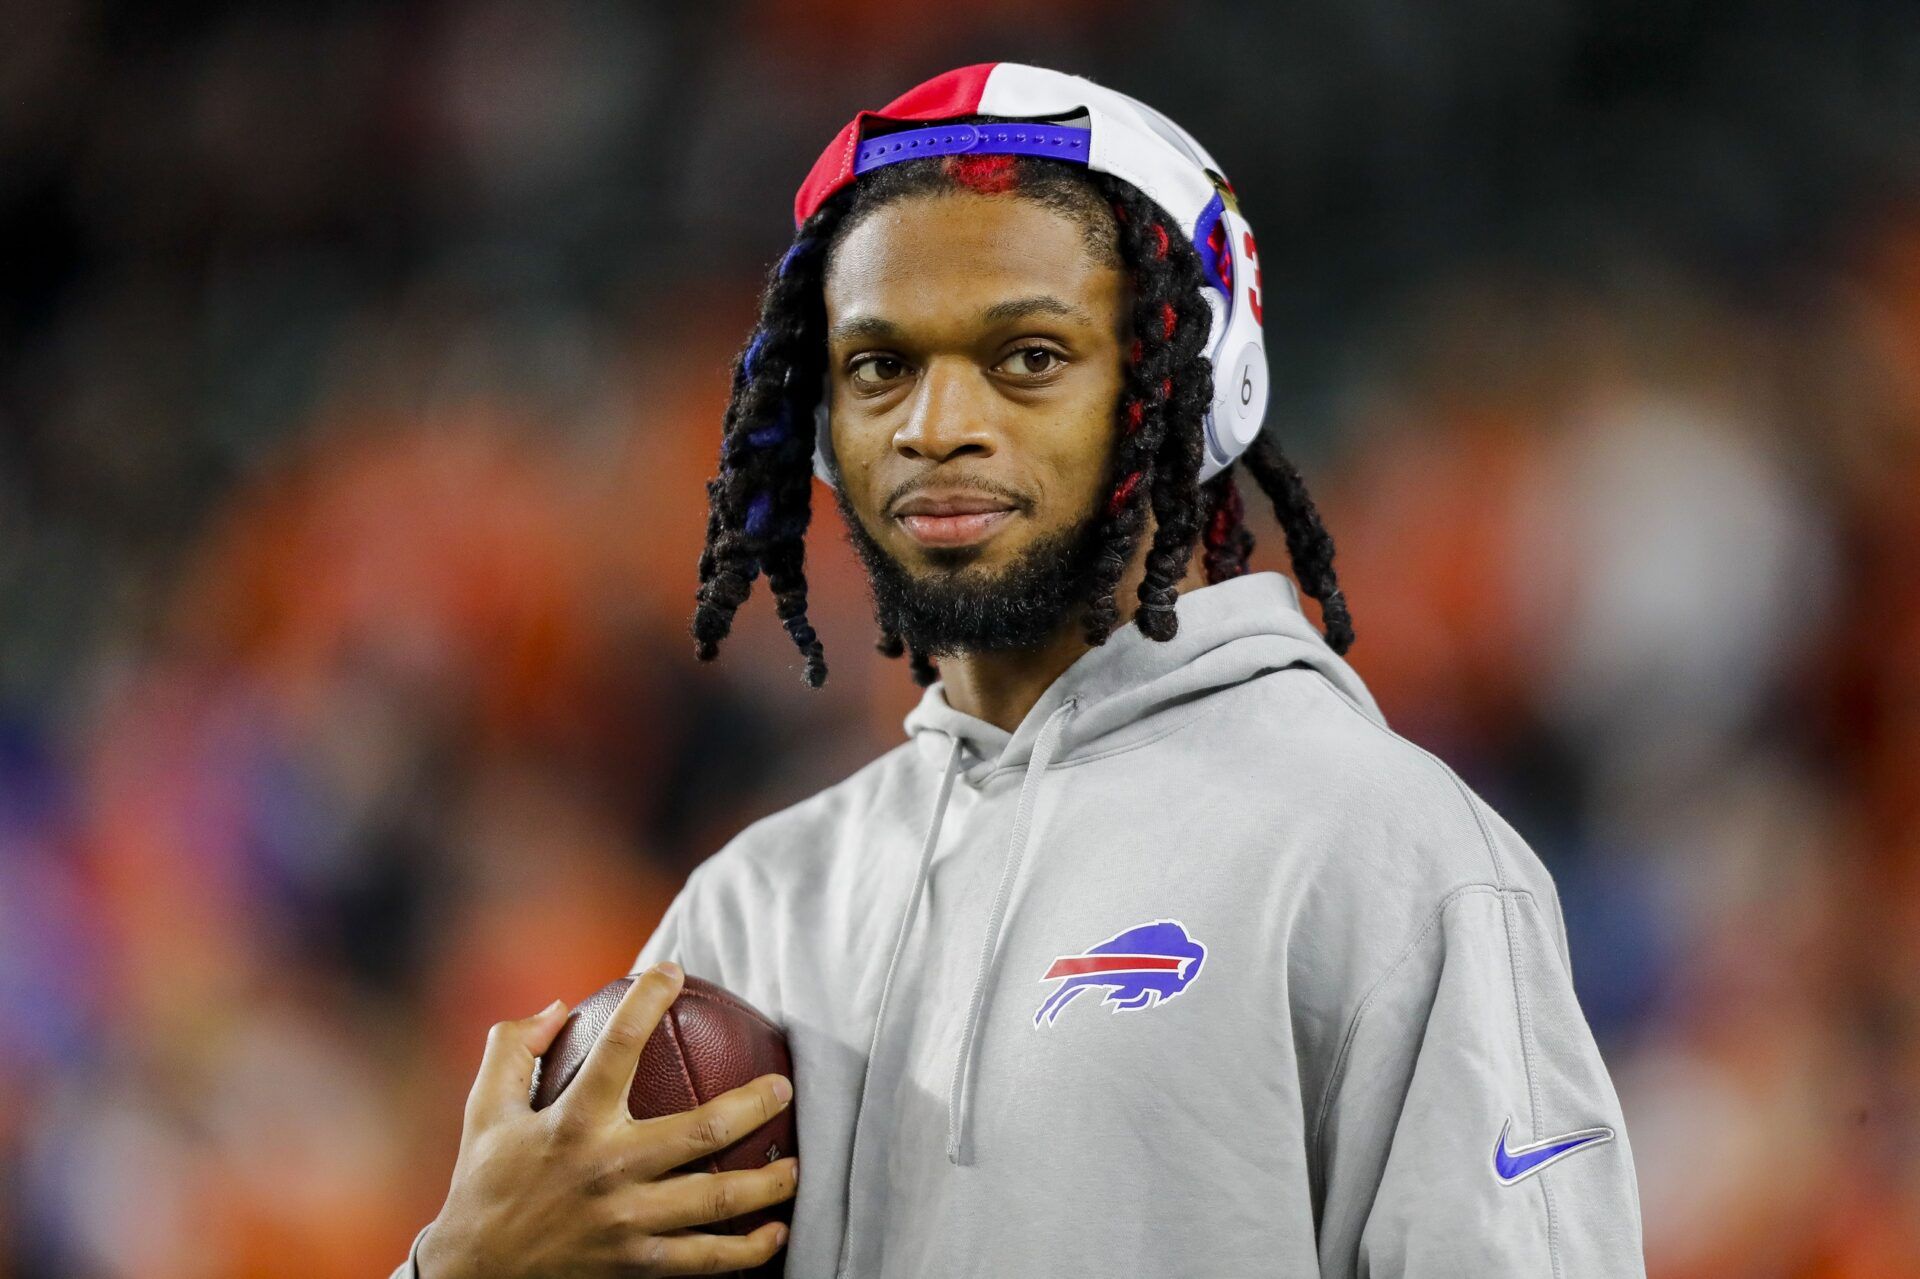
{"points": [[1229, 632], [1107, 699]]}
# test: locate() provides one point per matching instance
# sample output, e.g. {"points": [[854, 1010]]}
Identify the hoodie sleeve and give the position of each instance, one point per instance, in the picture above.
{"points": [[1472, 1127]]}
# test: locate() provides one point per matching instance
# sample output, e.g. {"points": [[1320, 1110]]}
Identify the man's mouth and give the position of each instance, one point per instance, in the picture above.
{"points": [[953, 518], [954, 530]]}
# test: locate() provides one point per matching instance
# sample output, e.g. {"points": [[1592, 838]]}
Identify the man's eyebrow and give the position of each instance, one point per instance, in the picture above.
{"points": [[1021, 308], [862, 326], [874, 327]]}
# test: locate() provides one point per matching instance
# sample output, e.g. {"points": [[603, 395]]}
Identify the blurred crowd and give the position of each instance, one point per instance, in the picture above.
{"points": [[361, 366]]}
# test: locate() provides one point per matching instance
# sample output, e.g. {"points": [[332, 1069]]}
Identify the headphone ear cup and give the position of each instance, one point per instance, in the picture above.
{"points": [[823, 459], [1239, 389], [1239, 406], [1238, 354]]}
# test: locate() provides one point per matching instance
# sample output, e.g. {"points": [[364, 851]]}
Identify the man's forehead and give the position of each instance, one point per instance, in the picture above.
{"points": [[872, 324], [965, 240]]}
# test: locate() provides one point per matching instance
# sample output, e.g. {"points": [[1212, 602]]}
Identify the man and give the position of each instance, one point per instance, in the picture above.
{"points": [[1153, 951]]}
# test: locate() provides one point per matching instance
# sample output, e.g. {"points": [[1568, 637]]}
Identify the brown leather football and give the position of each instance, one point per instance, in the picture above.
{"points": [[709, 1041]]}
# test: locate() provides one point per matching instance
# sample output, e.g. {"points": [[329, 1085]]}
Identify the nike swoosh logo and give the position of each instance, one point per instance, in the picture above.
{"points": [[1523, 1161]]}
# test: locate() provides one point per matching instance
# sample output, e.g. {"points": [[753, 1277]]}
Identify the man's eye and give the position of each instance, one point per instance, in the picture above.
{"points": [[1032, 361], [874, 370]]}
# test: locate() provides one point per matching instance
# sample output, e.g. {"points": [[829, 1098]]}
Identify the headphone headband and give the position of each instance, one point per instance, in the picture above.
{"points": [[1056, 141]]}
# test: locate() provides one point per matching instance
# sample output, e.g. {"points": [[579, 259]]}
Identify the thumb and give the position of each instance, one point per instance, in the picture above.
{"points": [[506, 1069]]}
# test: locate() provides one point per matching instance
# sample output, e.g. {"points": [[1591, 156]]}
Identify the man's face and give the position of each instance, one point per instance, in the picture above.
{"points": [[974, 354]]}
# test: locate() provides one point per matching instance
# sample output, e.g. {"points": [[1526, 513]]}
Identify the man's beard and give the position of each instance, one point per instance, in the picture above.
{"points": [[962, 611]]}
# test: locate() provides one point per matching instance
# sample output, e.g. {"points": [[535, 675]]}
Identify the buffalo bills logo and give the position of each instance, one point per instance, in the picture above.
{"points": [[1137, 968]]}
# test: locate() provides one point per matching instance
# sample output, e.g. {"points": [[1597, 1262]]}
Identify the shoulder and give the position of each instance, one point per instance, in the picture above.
{"points": [[1390, 855], [1376, 815], [731, 914]]}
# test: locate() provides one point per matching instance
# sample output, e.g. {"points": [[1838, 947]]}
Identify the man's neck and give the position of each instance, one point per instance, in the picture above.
{"points": [[1001, 687]]}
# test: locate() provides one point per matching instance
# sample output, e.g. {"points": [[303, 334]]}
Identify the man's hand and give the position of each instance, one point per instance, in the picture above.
{"points": [[581, 1188]]}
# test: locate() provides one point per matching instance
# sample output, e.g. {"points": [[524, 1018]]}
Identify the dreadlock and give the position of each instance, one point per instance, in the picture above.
{"points": [[760, 504]]}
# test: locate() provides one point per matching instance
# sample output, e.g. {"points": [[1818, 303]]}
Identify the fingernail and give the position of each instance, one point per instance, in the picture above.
{"points": [[782, 1089], [668, 968], [780, 1235], [553, 1007]]}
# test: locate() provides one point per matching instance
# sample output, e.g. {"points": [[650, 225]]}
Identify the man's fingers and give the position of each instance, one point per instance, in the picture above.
{"points": [[506, 1068], [672, 1140], [705, 1254], [606, 1076], [696, 1200]]}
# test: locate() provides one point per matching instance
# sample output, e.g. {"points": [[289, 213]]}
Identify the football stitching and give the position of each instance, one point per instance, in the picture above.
{"points": [[678, 1041]]}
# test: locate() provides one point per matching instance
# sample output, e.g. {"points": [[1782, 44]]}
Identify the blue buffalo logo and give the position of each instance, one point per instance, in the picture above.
{"points": [[1137, 968]]}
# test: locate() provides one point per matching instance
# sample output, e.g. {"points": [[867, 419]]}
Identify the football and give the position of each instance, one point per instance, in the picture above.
{"points": [[708, 1042]]}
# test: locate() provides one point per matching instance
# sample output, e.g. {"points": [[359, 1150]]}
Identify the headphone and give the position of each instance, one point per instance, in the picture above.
{"points": [[1071, 118]]}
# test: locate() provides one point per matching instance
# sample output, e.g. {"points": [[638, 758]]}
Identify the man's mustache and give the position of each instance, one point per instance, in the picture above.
{"points": [[934, 481]]}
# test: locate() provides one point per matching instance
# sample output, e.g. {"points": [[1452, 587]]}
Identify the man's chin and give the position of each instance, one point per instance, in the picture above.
{"points": [[966, 599], [939, 564]]}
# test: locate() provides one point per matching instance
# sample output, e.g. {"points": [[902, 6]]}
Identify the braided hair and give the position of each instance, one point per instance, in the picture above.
{"points": [[760, 504]]}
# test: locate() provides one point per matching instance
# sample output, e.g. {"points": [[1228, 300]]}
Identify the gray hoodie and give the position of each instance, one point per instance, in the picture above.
{"points": [[1201, 971]]}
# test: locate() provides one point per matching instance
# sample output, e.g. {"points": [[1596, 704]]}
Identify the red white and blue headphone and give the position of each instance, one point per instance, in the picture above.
{"points": [[1071, 118]]}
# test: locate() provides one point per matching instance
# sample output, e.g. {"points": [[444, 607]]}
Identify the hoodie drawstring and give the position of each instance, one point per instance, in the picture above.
{"points": [[951, 771], [960, 1099]]}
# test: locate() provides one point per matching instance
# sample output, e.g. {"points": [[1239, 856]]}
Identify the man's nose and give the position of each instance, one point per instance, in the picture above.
{"points": [[952, 412]]}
